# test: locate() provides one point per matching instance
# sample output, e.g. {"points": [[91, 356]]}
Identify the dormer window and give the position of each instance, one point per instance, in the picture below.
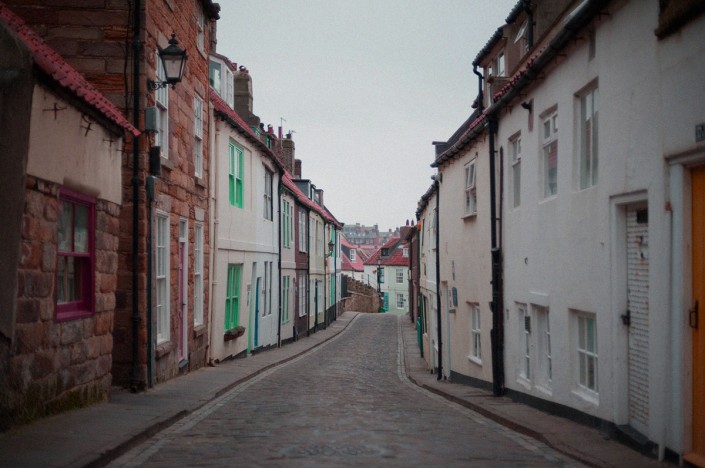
{"points": [[385, 252], [500, 65], [521, 34]]}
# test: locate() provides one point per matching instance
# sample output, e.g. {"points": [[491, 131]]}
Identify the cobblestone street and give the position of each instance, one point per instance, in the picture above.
{"points": [[346, 403]]}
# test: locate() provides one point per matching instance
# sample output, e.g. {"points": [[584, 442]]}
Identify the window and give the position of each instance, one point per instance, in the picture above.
{"points": [[303, 298], [405, 253], [198, 136], [380, 274], [475, 334], [200, 30], [587, 353], [525, 320], [229, 87], [214, 77], [303, 231], [588, 139], [232, 297], [521, 35], [287, 219], [353, 254], [162, 276], [267, 289], [268, 209], [515, 160], [75, 256], [400, 301], [470, 192], [286, 286], [500, 65], [544, 373], [550, 155], [198, 274], [161, 135], [400, 275], [235, 175]]}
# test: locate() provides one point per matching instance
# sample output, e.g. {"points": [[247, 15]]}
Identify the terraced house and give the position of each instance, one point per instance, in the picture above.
{"points": [[589, 147]]}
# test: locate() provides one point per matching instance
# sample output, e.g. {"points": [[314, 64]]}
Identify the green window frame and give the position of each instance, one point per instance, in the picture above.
{"points": [[232, 297], [236, 170], [286, 287]]}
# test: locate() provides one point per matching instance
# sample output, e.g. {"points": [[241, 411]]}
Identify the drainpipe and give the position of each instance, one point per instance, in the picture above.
{"points": [[480, 95], [213, 229], [279, 258], [136, 93], [497, 334], [325, 285], [308, 278], [438, 281]]}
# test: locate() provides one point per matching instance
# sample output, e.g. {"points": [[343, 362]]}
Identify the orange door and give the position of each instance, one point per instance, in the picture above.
{"points": [[697, 456]]}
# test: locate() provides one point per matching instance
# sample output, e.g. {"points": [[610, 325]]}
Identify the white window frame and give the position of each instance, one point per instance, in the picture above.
{"points": [[405, 252], [198, 136], [515, 161], [353, 255], [525, 322], [401, 303], [198, 274], [200, 30], [501, 64], [549, 138], [303, 230], [268, 194], [470, 188], [162, 277], [475, 334], [586, 354], [161, 98], [588, 137], [544, 370], [400, 275], [229, 87]]}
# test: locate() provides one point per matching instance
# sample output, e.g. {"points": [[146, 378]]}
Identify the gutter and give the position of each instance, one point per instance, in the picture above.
{"points": [[497, 334]]}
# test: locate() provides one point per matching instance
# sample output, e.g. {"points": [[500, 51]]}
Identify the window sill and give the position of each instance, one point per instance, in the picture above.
{"points": [[163, 349], [549, 198], [200, 182], [199, 330], [469, 216], [524, 382], [166, 163], [587, 395], [475, 360]]}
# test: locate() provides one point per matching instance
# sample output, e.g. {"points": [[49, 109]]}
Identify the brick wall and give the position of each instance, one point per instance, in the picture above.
{"points": [[54, 365]]}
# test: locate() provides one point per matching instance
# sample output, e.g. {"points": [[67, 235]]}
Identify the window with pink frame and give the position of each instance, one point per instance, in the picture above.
{"points": [[75, 264]]}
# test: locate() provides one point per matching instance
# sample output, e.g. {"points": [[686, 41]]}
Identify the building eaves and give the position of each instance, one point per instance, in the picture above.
{"points": [[494, 40], [63, 75], [423, 202], [232, 65], [224, 111], [475, 128], [520, 6], [288, 182]]}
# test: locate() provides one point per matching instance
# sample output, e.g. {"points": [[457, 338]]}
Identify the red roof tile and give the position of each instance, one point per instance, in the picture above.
{"points": [[51, 63], [396, 257]]}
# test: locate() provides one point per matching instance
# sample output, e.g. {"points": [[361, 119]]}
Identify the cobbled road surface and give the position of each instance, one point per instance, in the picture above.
{"points": [[345, 403]]}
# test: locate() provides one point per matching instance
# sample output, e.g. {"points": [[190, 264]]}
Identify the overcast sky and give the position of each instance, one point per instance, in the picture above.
{"points": [[366, 86]]}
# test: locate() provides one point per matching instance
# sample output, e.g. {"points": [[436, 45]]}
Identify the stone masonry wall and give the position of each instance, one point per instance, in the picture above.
{"points": [[59, 365], [361, 298]]}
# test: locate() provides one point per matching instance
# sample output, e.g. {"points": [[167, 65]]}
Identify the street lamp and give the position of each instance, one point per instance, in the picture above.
{"points": [[331, 245], [379, 276], [173, 60]]}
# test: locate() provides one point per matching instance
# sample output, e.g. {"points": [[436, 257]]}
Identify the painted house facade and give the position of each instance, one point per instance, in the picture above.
{"points": [[590, 119], [465, 252], [61, 170], [428, 292]]}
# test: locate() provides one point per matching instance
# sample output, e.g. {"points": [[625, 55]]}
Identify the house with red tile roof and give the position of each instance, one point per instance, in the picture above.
{"points": [[160, 325], [60, 174], [390, 267]]}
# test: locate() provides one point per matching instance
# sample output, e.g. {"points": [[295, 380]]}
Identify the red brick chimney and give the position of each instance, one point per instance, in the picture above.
{"points": [[297, 168]]}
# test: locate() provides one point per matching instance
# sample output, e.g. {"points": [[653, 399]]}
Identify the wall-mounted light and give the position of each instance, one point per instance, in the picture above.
{"points": [[331, 246], [174, 61]]}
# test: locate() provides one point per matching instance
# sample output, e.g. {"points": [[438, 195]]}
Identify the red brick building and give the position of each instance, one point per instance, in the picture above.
{"points": [[60, 174], [161, 302]]}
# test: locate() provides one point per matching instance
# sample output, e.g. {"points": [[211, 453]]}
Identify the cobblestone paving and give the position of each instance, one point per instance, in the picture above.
{"points": [[347, 403]]}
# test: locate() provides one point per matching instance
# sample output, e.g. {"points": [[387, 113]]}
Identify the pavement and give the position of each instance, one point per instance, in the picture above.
{"points": [[95, 435]]}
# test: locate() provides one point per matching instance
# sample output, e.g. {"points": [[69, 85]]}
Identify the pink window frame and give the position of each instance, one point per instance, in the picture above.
{"points": [[86, 306]]}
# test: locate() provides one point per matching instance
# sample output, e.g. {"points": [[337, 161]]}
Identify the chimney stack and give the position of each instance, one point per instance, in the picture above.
{"points": [[297, 168], [288, 152], [243, 91]]}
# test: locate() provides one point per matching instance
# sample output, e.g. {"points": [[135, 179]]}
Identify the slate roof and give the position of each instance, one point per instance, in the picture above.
{"points": [[304, 200], [48, 61]]}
